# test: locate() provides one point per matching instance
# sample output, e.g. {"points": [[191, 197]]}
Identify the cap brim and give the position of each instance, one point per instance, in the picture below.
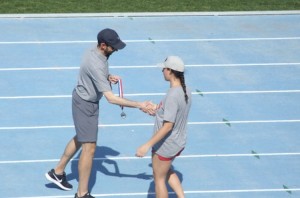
{"points": [[161, 65], [119, 45]]}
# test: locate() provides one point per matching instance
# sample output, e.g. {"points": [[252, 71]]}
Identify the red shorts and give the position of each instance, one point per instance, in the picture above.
{"points": [[167, 158]]}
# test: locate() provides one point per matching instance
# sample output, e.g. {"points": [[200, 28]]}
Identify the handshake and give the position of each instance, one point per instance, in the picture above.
{"points": [[149, 107]]}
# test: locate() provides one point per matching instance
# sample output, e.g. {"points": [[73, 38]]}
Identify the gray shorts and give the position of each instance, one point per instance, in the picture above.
{"points": [[85, 117]]}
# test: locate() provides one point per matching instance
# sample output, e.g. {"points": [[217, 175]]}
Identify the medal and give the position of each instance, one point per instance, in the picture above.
{"points": [[123, 114]]}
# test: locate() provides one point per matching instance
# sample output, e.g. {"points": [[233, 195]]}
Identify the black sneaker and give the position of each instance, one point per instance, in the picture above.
{"points": [[87, 195], [59, 180]]}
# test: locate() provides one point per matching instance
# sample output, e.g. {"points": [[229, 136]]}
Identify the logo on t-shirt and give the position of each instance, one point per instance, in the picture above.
{"points": [[159, 105]]}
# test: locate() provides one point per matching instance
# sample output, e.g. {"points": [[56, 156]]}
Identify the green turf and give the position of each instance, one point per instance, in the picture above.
{"points": [[106, 6]]}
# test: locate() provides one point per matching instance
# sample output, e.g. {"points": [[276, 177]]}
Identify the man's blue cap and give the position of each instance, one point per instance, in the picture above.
{"points": [[111, 38]]}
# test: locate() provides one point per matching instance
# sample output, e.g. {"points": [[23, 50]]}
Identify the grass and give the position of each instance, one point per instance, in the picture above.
{"points": [[106, 6]]}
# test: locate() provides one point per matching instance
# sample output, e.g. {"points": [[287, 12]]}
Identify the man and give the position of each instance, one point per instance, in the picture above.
{"points": [[94, 81]]}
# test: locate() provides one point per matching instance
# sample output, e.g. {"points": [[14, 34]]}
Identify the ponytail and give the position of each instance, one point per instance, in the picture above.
{"points": [[180, 75]]}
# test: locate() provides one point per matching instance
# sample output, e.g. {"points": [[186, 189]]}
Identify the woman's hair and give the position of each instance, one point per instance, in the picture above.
{"points": [[180, 75]]}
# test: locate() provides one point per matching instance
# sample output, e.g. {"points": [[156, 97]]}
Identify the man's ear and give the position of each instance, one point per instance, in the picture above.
{"points": [[102, 46]]}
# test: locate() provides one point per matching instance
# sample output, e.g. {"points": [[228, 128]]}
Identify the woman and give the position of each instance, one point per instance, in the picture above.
{"points": [[169, 136]]}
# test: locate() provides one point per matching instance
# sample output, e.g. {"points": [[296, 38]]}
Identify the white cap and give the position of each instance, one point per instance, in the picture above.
{"points": [[174, 63]]}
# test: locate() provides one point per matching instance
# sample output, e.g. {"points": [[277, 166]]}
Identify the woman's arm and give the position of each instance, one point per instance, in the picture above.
{"points": [[160, 134]]}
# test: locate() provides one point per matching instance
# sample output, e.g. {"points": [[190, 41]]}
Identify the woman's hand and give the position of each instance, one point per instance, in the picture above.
{"points": [[149, 107], [142, 150]]}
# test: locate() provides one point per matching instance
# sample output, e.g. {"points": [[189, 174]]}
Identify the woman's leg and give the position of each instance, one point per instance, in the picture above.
{"points": [[175, 183], [160, 172]]}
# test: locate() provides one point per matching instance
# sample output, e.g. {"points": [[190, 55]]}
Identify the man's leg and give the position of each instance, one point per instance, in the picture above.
{"points": [[72, 147], [58, 175], [85, 167]]}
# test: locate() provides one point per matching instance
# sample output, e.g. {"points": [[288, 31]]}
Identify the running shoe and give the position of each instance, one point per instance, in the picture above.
{"points": [[59, 180], [87, 195]]}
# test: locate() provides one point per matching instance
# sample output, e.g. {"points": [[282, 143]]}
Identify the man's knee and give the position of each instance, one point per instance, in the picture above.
{"points": [[89, 148]]}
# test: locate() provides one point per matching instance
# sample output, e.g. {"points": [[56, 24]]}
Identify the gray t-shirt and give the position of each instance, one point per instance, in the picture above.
{"points": [[93, 76], [173, 108]]}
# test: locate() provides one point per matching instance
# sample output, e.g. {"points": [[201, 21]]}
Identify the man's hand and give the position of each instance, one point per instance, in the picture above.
{"points": [[113, 79], [149, 107]]}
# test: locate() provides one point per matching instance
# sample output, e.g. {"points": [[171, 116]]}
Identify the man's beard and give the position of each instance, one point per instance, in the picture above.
{"points": [[107, 54]]}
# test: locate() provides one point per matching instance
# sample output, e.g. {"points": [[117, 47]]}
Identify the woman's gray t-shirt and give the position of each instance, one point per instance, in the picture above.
{"points": [[173, 108]]}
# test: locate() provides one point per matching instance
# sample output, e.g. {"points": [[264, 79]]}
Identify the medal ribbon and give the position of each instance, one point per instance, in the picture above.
{"points": [[120, 86]]}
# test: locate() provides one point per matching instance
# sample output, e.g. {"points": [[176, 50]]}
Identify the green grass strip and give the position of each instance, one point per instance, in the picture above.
{"points": [[106, 6]]}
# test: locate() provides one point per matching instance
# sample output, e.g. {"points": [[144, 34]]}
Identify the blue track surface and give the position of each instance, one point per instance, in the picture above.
{"points": [[244, 71]]}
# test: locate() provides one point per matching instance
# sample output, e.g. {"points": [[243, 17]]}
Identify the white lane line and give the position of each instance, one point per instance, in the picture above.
{"points": [[151, 14], [186, 192], [148, 157], [149, 124], [242, 191], [158, 94], [34, 97], [38, 68], [154, 66], [153, 40]]}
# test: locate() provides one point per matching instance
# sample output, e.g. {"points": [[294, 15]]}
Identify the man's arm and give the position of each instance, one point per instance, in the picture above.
{"points": [[113, 99]]}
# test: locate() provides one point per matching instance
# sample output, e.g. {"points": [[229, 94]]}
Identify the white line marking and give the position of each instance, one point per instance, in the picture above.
{"points": [[38, 68], [238, 155], [148, 157], [154, 66], [150, 124], [244, 65], [152, 40], [242, 191], [244, 122], [186, 192], [35, 97], [247, 92], [158, 94], [150, 14]]}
